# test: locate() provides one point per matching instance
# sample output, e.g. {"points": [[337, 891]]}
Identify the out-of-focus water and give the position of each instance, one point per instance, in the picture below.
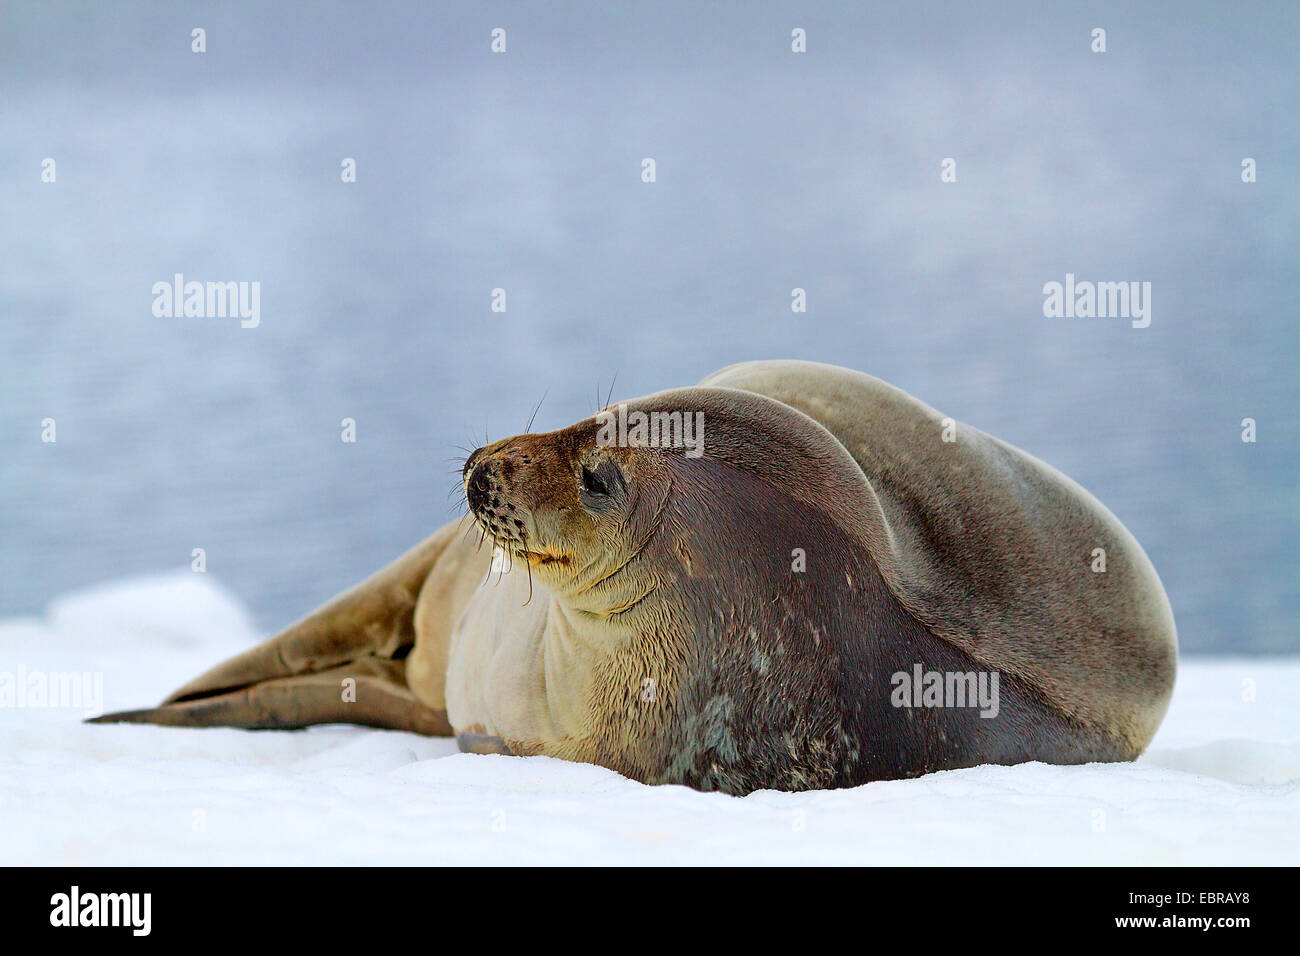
{"points": [[522, 171]]}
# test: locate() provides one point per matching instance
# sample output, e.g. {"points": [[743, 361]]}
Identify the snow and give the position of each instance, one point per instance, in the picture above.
{"points": [[1220, 784]]}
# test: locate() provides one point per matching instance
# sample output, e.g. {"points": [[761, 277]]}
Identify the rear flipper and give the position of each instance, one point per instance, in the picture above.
{"points": [[344, 663], [369, 691]]}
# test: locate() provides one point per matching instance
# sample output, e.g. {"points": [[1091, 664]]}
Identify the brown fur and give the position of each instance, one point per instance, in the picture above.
{"points": [[991, 549]]}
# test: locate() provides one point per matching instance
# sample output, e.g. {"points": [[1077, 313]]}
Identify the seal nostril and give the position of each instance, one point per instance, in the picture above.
{"points": [[469, 462], [477, 491]]}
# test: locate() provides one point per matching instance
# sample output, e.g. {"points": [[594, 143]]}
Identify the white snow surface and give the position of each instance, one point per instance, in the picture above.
{"points": [[1219, 785]]}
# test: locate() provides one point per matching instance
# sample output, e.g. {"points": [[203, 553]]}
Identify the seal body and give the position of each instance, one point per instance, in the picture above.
{"points": [[996, 551], [824, 583]]}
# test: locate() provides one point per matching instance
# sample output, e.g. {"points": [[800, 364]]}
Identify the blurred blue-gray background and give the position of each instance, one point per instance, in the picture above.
{"points": [[522, 171]]}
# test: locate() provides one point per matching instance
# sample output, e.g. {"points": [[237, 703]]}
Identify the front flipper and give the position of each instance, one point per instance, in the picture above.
{"points": [[300, 676], [483, 744]]}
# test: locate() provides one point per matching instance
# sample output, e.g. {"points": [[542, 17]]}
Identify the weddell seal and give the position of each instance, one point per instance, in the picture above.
{"points": [[797, 577]]}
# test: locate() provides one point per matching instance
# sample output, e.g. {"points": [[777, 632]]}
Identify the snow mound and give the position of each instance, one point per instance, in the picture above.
{"points": [[182, 609], [1220, 784]]}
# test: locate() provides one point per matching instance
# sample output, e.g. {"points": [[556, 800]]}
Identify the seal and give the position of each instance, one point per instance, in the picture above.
{"points": [[826, 583]]}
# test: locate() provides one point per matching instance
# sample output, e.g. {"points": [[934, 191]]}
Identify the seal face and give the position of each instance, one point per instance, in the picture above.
{"points": [[817, 593], [575, 512]]}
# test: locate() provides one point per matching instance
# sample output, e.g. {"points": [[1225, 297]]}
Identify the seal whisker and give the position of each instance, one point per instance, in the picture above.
{"points": [[533, 417], [501, 568], [470, 527]]}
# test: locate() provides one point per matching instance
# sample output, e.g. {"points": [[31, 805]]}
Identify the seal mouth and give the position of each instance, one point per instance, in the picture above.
{"points": [[538, 558], [515, 540]]}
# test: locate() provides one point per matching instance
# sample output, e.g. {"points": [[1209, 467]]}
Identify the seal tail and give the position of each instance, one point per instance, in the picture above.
{"points": [[343, 663]]}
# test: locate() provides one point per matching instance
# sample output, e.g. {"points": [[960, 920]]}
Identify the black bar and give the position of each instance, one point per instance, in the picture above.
{"points": [[307, 906]]}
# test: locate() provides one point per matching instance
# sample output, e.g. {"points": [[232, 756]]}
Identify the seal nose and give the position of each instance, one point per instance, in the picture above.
{"points": [[469, 462], [477, 490]]}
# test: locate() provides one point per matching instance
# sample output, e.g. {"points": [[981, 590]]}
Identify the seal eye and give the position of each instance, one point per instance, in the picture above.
{"points": [[601, 487], [593, 484]]}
